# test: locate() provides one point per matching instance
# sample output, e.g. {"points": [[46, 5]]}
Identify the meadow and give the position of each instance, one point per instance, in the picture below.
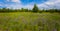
{"points": [[29, 21]]}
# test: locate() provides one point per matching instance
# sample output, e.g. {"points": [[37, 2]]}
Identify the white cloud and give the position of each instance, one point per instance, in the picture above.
{"points": [[16, 1], [28, 6], [14, 6], [19, 6], [46, 5], [50, 4], [0, 4]]}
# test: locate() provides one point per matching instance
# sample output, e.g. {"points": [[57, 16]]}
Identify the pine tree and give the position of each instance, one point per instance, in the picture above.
{"points": [[35, 8]]}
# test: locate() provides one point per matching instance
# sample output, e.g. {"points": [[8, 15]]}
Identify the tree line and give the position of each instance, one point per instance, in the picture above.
{"points": [[35, 9]]}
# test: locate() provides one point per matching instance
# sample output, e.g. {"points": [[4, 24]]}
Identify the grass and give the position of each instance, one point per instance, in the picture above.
{"points": [[28, 21]]}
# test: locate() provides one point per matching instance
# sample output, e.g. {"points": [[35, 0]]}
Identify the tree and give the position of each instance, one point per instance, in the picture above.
{"points": [[35, 8], [22, 9]]}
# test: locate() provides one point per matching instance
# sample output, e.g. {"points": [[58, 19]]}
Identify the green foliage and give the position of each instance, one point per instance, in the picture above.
{"points": [[28, 21], [24, 20], [53, 10], [35, 8]]}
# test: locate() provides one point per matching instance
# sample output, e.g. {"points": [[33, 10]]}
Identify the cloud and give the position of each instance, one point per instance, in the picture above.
{"points": [[50, 4], [0, 4], [19, 6], [13, 6], [46, 5], [15, 1]]}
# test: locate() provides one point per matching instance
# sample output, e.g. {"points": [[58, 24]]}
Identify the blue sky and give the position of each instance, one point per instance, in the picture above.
{"points": [[42, 4]]}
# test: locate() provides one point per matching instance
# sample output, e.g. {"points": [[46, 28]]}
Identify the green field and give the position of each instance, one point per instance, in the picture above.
{"points": [[28, 21]]}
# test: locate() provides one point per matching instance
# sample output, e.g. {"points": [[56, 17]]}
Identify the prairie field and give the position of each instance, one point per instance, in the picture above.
{"points": [[29, 21]]}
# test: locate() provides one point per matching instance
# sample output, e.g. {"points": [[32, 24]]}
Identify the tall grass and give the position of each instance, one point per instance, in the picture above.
{"points": [[28, 21]]}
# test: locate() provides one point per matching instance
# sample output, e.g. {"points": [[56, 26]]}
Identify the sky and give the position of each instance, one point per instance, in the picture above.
{"points": [[42, 4]]}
